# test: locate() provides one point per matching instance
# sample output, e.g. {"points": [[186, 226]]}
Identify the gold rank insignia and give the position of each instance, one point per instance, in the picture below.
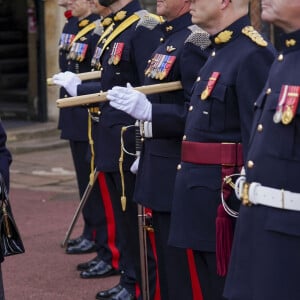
{"points": [[169, 28], [254, 35], [83, 38], [223, 37], [290, 43], [107, 21], [83, 23], [120, 15]]}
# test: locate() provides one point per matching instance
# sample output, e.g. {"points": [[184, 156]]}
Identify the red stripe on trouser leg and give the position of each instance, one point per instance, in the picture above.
{"points": [[110, 221], [137, 290], [94, 232], [196, 287], [153, 247]]}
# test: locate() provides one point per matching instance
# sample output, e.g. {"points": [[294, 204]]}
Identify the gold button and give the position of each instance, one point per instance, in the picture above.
{"points": [[260, 128], [191, 108], [198, 79], [107, 48], [250, 164], [149, 61], [179, 167], [66, 96], [161, 40], [184, 138], [280, 57], [213, 53], [269, 91]]}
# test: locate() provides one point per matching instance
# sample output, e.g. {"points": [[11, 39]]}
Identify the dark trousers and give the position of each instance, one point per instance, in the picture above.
{"points": [[93, 212], [173, 264], [127, 228], [2, 297], [212, 285]]}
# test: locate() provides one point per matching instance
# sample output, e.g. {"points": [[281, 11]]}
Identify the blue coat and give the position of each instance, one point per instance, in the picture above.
{"points": [[224, 116], [73, 121], [5, 156], [161, 154], [265, 258], [138, 43]]}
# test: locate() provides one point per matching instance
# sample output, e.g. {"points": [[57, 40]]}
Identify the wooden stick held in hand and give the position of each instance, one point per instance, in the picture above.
{"points": [[82, 76], [101, 97]]}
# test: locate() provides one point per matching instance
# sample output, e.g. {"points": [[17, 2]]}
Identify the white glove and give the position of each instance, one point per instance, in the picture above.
{"points": [[130, 101], [69, 81], [134, 167]]}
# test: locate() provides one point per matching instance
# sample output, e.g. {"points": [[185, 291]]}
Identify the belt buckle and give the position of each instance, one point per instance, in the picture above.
{"points": [[245, 195]]}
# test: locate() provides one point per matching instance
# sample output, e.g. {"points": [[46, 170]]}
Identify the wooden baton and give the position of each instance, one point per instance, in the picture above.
{"points": [[82, 76], [102, 96]]}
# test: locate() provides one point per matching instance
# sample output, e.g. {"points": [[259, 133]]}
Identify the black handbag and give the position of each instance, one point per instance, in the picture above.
{"points": [[10, 239]]}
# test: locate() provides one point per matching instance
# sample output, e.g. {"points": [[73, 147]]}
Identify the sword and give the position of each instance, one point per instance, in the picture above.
{"points": [[82, 202], [82, 76], [102, 96]]}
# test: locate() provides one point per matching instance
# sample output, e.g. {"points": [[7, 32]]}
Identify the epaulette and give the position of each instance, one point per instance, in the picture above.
{"points": [[99, 27], [198, 37], [254, 36], [147, 19]]}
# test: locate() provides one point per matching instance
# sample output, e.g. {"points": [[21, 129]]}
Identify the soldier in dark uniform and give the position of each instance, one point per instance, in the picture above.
{"points": [[265, 260], [76, 49], [5, 161], [124, 50], [219, 119], [179, 56]]}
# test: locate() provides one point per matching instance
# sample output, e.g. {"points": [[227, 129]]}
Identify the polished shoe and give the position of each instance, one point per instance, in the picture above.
{"points": [[123, 294], [102, 269], [106, 294], [89, 264], [73, 242], [85, 246]]}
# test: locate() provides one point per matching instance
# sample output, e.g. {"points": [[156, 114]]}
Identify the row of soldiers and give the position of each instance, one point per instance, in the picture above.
{"points": [[236, 113]]}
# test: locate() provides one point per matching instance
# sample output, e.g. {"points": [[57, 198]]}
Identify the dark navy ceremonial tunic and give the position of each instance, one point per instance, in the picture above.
{"points": [[73, 121], [225, 116], [265, 259], [161, 153], [139, 42]]}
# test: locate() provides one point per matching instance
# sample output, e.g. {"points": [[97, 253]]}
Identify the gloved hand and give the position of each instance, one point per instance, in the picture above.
{"points": [[130, 101], [69, 81], [134, 167]]}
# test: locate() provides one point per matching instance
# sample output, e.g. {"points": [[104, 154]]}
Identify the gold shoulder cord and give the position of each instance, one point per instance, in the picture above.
{"points": [[91, 142], [82, 33], [121, 160]]}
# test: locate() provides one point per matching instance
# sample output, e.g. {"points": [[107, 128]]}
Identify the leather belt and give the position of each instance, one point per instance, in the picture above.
{"points": [[225, 154], [255, 193]]}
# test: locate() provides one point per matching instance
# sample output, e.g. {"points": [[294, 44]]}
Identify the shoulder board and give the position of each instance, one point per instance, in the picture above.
{"points": [[198, 37], [99, 27], [147, 19], [254, 36]]}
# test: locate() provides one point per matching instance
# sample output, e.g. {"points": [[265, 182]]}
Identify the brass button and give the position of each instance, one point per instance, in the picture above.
{"points": [[191, 108], [250, 164], [213, 53], [149, 61], [198, 79], [161, 40], [66, 96], [260, 128], [107, 48], [179, 167], [184, 138], [268, 92], [280, 57]]}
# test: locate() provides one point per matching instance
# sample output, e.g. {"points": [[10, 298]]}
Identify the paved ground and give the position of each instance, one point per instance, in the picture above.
{"points": [[44, 198]]}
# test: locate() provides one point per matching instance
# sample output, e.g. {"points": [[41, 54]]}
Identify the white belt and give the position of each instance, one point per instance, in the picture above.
{"points": [[255, 193]]}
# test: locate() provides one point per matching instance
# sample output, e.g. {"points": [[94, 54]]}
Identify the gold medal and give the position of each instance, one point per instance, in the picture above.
{"points": [[205, 94], [287, 116]]}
